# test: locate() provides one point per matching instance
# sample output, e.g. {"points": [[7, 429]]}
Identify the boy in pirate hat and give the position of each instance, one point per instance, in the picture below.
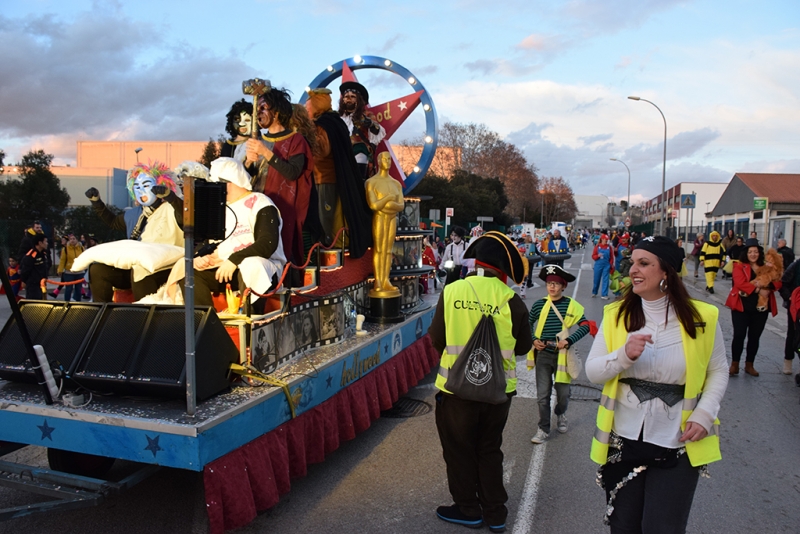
{"points": [[552, 315], [471, 432]]}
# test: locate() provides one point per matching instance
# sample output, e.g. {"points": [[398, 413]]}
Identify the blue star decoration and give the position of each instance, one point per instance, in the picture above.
{"points": [[46, 430], [386, 349], [328, 381], [152, 445]]}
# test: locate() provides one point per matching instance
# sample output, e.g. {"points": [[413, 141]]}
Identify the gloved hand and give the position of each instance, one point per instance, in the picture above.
{"points": [[93, 194], [161, 191]]}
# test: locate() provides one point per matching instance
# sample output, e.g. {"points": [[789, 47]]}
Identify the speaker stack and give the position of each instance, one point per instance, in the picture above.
{"points": [[127, 349]]}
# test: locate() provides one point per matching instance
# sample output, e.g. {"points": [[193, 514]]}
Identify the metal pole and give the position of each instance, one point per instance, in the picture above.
{"points": [[188, 292], [628, 209], [664, 166]]}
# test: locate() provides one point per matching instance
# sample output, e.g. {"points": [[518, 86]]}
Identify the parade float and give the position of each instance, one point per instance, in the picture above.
{"points": [[247, 399]]}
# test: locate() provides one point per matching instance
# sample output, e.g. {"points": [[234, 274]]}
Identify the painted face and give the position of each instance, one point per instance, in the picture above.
{"points": [[245, 124], [143, 190], [265, 115], [455, 237], [646, 275], [752, 254]]}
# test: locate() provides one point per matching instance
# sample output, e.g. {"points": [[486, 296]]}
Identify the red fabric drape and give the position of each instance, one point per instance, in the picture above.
{"points": [[253, 477]]}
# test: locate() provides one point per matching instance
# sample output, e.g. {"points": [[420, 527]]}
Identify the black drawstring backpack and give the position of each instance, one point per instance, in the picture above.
{"points": [[478, 373]]}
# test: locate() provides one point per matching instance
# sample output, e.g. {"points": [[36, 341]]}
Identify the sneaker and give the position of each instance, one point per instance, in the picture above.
{"points": [[497, 528], [787, 367], [711, 290], [594, 295], [604, 298], [540, 436], [562, 425], [453, 514], [522, 292]]}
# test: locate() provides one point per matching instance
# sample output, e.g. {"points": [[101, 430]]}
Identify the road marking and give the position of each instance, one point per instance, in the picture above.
{"points": [[530, 493]]}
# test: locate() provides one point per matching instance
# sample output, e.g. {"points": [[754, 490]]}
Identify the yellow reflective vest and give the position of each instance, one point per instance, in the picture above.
{"points": [[462, 313], [571, 318], [697, 353]]}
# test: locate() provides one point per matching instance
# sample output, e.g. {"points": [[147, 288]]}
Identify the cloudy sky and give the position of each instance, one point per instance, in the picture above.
{"points": [[551, 77]]}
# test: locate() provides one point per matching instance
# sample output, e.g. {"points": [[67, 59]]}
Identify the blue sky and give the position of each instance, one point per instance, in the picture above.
{"points": [[551, 77]]}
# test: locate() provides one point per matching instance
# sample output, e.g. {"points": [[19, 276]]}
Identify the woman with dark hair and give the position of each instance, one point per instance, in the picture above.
{"points": [[748, 321], [661, 357], [307, 333]]}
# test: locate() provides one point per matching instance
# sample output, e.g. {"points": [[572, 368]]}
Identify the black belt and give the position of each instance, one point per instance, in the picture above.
{"points": [[644, 390]]}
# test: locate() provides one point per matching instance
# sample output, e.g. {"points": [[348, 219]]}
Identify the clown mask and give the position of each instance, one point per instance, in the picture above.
{"points": [[245, 124], [143, 190]]}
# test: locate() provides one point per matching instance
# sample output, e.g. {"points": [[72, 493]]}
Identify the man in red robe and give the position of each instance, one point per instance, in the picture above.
{"points": [[285, 164]]}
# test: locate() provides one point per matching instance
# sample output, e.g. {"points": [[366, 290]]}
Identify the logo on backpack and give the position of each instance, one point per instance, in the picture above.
{"points": [[479, 367]]}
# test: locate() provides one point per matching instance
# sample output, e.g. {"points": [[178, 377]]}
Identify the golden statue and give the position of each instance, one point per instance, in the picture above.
{"points": [[385, 198]]}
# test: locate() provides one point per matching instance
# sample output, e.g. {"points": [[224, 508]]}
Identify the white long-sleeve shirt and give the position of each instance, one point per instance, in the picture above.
{"points": [[662, 361]]}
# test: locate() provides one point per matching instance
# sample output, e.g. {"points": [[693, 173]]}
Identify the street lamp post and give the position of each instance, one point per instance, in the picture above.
{"points": [[541, 214], [663, 168], [627, 209]]}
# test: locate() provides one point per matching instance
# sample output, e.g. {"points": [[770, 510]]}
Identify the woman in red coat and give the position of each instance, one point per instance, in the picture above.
{"points": [[743, 302]]}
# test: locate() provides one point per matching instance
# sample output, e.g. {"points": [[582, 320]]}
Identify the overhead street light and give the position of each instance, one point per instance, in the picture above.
{"points": [[663, 168], [627, 210]]}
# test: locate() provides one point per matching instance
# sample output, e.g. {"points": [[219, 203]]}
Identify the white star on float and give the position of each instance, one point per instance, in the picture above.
{"points": [[402, 105]]}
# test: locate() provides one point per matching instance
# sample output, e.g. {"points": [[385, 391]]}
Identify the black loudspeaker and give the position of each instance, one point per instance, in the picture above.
{"points": [[62, 329], [140, 350], [209, 210]]}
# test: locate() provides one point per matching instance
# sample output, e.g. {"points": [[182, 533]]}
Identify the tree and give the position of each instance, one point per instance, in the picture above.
{"points": [[484, 153], [82, 220], [468, 194], [2, 157], [38, 195], [559, 200], [210, 152]]}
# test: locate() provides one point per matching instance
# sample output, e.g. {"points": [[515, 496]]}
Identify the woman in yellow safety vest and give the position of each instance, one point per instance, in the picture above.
{"points": [[661, 357]]}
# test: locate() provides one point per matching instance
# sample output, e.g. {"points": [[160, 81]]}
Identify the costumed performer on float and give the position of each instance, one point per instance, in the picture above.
{"points": [[251, 255], [365, 131], [284, 164], [156, 218], [239, 125], [342, 200], [385, 198]]}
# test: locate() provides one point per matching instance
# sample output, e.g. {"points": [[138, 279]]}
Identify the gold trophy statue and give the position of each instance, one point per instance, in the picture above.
{"points": [[385, 198]]}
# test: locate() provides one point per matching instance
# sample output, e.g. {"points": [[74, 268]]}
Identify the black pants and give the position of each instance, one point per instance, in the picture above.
{"points": [[751, 325], [471, 434], [33, 289], [657, 501], [791, 343], [453, 274], [104, 278], [205, 283]]}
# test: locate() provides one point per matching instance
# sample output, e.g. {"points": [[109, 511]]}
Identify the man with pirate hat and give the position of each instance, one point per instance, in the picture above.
{"points": [[471, 432], [552, 315], [365, 131]]}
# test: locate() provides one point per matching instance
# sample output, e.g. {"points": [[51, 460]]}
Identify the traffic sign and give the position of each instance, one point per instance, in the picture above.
{"points": [[760, 203], [448, 212], [688, 201]]}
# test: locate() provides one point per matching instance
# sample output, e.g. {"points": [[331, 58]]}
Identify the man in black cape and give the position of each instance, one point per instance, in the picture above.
{"points": [[342, 199]]}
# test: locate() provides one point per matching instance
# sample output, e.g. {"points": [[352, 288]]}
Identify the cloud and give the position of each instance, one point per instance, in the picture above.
{"points": [[502, 67], [391, 42], [106, 76], [595, 138]]}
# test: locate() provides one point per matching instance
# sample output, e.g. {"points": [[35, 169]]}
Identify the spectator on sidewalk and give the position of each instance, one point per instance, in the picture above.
{"points": [[71, 250], [786, 252], [790, 281], [699, 241], [748, 320], [34, 267]]}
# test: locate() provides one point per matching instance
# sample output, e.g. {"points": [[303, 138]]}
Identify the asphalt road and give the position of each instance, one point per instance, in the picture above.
{"points": [[391, 478]]}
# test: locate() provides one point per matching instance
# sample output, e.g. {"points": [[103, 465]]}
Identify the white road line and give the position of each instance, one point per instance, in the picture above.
{"points": [[530, 493]]}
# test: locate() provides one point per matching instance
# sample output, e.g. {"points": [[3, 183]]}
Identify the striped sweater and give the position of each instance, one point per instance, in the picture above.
{"points": [[552, 325]]}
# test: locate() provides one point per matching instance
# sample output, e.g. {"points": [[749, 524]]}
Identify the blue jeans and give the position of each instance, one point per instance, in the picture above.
{"points": [[76, 288], [602, 270]]}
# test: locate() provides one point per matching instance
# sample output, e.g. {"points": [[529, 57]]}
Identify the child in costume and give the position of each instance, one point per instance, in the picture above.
{"points": [[13, 275], [553, 316], [603, 256]]}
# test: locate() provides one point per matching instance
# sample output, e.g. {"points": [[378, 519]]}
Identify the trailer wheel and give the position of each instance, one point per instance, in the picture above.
{"points": [[78, 463]]}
